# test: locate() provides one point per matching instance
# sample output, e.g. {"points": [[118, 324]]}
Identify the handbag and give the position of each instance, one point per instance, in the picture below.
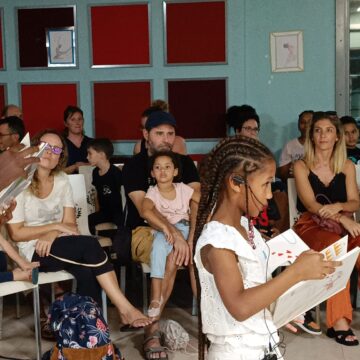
{"points": [[308, 221]]}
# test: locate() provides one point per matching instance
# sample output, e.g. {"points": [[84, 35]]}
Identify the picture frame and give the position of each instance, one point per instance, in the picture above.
{"points": [[287, 52], [60, 43]]}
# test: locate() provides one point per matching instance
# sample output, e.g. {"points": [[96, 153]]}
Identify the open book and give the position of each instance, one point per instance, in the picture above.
{"points": [[20, 184], [307, 294]]}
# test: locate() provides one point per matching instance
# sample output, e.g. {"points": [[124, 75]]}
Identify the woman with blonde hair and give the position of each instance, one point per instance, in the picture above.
{"points": [[327, 197], [44, 228]]}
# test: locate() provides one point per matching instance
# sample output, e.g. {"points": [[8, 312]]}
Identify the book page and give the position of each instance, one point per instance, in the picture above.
{"points": [[307, 294], [284, 249]]}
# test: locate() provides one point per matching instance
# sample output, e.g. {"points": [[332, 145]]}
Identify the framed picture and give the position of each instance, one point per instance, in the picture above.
{"points": [[287, 51], [60, 43]]}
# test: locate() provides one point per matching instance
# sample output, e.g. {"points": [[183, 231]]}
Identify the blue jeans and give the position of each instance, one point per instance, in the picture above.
{"points": [[161, 249]]}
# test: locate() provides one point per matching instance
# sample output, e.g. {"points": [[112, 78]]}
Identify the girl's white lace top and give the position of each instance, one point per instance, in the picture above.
{"points": [[219, 326]]}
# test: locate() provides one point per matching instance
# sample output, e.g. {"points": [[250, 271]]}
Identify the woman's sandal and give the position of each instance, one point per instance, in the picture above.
{"points": [[341, 335], [155, 312], [148, 352], [46, 331]]}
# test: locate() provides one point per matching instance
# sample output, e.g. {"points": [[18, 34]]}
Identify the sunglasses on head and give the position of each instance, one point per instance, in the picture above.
{"points": [[54, 149]]}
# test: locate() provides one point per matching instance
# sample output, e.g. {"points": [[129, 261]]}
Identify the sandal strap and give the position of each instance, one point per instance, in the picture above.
{"points": [[344, 333], [155, 335]]}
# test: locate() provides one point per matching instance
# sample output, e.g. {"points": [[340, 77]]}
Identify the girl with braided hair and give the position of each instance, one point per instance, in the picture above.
{"points": [[231, 255]]}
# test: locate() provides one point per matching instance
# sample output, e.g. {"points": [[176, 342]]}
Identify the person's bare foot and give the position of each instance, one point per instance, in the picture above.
{"points": [[154, 343], [135, 318]]}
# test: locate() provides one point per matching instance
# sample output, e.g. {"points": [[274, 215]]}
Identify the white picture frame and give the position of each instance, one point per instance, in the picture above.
{"points": [[60, 43], [287, 52]]}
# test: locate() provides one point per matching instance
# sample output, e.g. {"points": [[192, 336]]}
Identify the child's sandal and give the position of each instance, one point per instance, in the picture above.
{"points": [[154, 312]]}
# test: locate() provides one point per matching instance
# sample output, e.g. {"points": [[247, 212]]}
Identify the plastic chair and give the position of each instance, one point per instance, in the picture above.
{"points": [[14, 287], [79, 183]]}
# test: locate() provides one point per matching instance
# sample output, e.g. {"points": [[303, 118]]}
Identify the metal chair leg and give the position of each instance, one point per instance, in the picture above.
{"points": [[123, 278], [1, 315], [18, 315], [194, 307], [145, 293], [317, 314], [37, 322], [104, 304]]}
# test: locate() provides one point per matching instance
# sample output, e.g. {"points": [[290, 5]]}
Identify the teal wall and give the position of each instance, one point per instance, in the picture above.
{"points": [[278, 97]]}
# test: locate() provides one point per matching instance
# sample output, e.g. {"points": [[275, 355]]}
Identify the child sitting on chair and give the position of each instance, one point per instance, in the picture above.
{"points": [[25, 270], [351, 133], [172, 200], [107, 180]]}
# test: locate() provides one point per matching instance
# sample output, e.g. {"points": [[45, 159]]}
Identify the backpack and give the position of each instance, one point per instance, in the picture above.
{"points": [[80, 329], [141, 244]]}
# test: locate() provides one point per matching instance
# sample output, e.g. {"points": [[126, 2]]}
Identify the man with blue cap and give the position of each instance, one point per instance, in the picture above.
{"points": [[159, 133]]}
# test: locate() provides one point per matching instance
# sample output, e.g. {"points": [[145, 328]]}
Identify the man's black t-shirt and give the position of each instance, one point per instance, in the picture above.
{"points": [[108, 189], [136, 177]]}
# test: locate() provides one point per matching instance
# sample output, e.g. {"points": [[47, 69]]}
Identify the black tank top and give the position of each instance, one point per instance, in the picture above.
{"points": [[334, 192]]}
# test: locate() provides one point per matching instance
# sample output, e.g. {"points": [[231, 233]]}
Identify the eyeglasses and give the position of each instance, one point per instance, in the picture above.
{"points": [[54, 149], [251, 129], [2, 135]]}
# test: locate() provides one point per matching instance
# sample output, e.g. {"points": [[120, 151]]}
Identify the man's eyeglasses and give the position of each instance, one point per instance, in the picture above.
{"points": [[251, 129], [2, 135], [54, 149]]}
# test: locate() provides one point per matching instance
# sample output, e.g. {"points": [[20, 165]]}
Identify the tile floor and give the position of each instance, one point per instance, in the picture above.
{"points": [[18, 338]]}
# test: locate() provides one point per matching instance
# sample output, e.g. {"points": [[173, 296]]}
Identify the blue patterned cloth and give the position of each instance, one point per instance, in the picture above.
{"points": [[78, 323]]}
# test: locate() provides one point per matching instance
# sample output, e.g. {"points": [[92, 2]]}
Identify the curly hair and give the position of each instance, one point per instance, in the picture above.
{"points": [[34, 186], [174, 157], [239, 154]]}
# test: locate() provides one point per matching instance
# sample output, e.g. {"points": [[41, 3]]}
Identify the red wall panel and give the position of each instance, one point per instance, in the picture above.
{"points": [[199, 107], [195, 32], [120, 34], [118, 108], [2, 97], [43, 105], [1, 46]]}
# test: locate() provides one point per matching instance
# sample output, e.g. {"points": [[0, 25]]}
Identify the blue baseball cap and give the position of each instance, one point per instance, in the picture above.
{"points": [[158, 118]]}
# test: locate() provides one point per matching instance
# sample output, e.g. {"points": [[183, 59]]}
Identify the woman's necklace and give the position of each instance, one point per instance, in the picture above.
{"points": [[251, 234]]}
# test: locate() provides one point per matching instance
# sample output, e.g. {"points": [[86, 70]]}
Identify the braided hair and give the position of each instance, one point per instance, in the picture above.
{"points": [[237, 153]]}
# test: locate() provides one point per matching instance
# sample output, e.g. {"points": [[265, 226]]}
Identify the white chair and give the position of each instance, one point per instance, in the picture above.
{"points": [[14, 287], [292, 198], [78, 183]]}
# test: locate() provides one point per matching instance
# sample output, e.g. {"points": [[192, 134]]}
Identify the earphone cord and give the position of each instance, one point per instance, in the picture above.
{"points": [[280, 345], [277, 345]]}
